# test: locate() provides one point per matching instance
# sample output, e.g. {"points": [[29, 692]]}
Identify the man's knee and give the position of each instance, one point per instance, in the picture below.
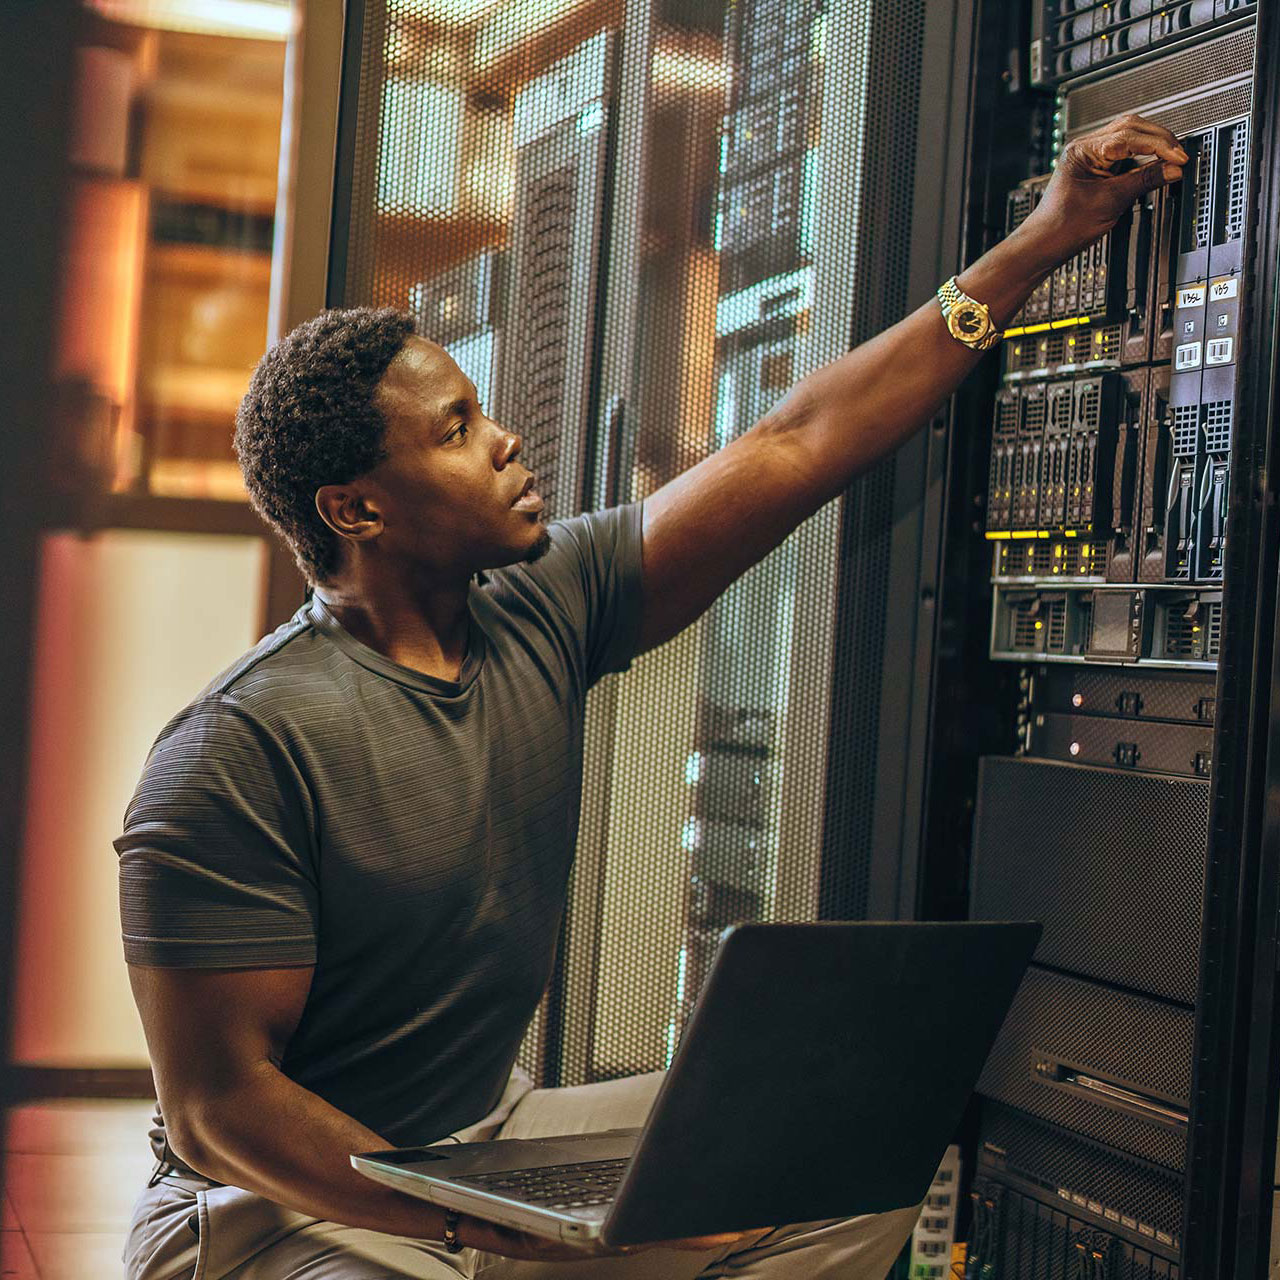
{"points": [[859, 1248]]}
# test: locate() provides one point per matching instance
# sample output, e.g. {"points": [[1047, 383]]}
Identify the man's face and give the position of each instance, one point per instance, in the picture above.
{"points": [[453, 496]]}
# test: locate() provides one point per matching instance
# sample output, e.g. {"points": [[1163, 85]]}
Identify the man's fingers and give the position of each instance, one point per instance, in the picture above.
{"points": [[1127, 137], [1168, 147], [1103, 150], [1146, 177]]}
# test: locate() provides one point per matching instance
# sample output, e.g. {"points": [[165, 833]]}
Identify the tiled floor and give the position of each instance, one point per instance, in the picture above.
{"points": [[72, 1170]]}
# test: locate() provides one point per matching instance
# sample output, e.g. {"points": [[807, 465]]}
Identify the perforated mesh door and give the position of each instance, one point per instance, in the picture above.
{"points": [[606, 209]]}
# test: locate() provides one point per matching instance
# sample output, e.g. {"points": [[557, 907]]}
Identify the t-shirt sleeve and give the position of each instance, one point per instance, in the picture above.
{"points": [[216, 859], [593, 572]]}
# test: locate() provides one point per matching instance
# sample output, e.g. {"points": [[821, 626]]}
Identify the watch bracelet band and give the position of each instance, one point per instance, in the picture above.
{"points": [[949, 294], [451, 1242]]}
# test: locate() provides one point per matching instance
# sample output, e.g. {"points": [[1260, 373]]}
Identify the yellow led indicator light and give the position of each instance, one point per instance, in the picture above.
{"points": [[1195, 631], [1039, 626]]}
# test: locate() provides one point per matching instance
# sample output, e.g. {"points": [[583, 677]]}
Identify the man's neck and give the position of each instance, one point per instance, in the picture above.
{"points": [[421, 626]]}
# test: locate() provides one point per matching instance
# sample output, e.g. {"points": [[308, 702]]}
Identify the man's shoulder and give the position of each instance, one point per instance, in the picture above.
{"points": [[272, 683], [584, 594], [281, 652]]}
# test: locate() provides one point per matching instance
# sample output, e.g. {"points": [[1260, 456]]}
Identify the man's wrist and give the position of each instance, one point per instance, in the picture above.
{"points": [[1043, 243], [1006, 276]]}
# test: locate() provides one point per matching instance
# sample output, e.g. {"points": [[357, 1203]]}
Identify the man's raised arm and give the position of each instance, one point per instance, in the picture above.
{"points": [[706, 527]]}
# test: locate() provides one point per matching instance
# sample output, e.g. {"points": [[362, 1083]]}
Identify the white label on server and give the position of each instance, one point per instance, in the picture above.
{"points": [[1218, 351], [1191, 296], [1187, 356], [1228, 287]]}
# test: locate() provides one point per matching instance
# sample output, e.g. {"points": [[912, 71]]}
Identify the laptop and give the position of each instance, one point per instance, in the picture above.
{"points": [[822, 1074]]}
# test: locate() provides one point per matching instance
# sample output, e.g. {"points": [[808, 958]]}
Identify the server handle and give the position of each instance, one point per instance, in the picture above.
{"points": [[1085, 1082], [1206, 488]]}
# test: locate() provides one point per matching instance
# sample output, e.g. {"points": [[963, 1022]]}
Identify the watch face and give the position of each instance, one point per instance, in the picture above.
{"points": [[969, 323]]}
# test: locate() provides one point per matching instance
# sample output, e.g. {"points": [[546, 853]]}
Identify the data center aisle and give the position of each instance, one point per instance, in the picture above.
{"points": [[72, 1170]]}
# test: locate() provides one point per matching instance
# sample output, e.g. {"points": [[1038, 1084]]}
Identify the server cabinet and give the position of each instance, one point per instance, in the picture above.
{"points": [[1109, 575]]}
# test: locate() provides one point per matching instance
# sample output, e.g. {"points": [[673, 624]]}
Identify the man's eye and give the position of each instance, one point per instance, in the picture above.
{"points": [[458, 433]]}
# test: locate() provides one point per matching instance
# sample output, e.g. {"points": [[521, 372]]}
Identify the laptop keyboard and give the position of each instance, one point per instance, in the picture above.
{"points": [[555, 1186]]}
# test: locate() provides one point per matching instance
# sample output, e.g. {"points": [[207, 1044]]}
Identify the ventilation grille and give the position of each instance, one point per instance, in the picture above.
{"points": [[1006, 418], [1039, 559], [1021, 355], [542, 335], [1213, 629], [1088, 399], [1060, 398], [1121, 905], [1034, 413], [1217, 426], [1181, 635], [1026, 635], [1138, 89], [1197, 231], [1184, 421], [1237, 175], [1057, 626]]}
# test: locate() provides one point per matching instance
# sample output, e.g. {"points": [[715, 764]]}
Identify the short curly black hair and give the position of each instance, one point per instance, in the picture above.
{"points": [[309, 419]]}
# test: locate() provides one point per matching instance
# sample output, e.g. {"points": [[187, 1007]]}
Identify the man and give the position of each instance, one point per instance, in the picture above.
{"points": [[343, 871]]}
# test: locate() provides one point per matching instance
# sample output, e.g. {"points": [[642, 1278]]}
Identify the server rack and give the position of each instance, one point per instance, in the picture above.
{"points": [[561, 180], [1108, 579]]}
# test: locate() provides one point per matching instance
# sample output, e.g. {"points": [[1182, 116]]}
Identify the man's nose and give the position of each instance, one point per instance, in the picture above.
{"points": [[508, 447]]}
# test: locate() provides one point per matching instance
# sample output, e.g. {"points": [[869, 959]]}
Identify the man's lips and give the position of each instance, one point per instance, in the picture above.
{"points": [[528, 499]]}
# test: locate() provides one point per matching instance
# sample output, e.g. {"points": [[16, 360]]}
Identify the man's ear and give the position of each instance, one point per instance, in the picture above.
{"points": [[349, 513]]}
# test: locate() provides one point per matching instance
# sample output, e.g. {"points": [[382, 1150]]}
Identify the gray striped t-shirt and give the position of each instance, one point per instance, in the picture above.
{"points": [[410, 837]]}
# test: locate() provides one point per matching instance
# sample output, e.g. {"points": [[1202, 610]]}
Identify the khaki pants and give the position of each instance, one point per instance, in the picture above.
{"points": [[242, 1236]]}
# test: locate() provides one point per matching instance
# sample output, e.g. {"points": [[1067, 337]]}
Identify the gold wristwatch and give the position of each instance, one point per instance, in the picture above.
{"points": [[968, 321]]}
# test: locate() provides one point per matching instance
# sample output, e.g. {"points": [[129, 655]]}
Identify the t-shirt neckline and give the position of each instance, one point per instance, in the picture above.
{"points": [[371, 659]]}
